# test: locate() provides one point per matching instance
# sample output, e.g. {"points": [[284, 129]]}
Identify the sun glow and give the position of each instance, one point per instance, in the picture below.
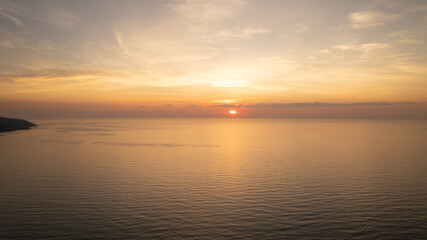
{"points": [[232, 112]]}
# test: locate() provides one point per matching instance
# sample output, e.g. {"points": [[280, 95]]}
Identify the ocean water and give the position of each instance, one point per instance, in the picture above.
{"points": [[215, 179]]}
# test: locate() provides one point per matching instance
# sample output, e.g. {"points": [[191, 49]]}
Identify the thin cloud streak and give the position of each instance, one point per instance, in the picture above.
{"points": [[13, 19]]}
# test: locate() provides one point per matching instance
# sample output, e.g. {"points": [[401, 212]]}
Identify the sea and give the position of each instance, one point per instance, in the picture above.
{"points": [[225, 178]]}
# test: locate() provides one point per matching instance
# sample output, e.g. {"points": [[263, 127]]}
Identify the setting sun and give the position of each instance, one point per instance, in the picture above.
{"points": [[232, 112]]}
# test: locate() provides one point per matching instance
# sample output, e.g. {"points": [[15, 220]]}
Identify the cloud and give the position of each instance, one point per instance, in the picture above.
{"points": [[195, 106], [365, 47], [206, 12], [369, 19], [301, 29], [208, 20], [254, 31], [322, 104], [225, 105], [58, 17], [404, 37], [229, 101], [13, 19], [120, 41], [294, 30], [310, 104], [55, 74], [43, 12], [240, 33]]}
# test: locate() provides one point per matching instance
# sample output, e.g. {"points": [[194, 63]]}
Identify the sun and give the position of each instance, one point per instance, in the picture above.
{"points": [[232, 112]]}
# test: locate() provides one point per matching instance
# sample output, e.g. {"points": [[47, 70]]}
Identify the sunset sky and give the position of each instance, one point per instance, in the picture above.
{"points": [[270, 58]]}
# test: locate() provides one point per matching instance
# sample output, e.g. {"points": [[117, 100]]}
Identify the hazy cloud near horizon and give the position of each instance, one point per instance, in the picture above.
{"points": [[324, 104], [311, 104]]}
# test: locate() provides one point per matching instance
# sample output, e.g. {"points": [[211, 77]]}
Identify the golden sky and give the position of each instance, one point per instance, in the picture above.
{"points": [[270, 58]]}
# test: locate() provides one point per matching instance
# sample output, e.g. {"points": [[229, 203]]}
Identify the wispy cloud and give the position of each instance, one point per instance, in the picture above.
{"points": [[53, 74], [120, 41], [43, 12], [369, 19], [247, 32], [365, 47], [59, 17], [13, 19], [404, 37]]}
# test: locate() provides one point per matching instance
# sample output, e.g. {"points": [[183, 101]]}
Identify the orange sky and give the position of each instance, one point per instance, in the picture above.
{"points": [[194, 58]]}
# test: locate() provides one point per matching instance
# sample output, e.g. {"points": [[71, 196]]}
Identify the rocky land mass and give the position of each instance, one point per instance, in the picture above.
{"points": [[13, 124]]}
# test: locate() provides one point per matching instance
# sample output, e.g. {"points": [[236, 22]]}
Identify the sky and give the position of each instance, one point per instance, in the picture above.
{"points": [[202, 58]]}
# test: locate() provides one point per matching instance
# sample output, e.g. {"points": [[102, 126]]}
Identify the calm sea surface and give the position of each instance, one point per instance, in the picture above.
{"points": [[215, 179]]}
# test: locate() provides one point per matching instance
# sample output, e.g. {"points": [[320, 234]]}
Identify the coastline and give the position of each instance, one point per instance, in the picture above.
{"points": [[14, 124]]}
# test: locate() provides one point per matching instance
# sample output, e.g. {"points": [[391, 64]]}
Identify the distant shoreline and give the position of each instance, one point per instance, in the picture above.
{"points": [[14, 124]]}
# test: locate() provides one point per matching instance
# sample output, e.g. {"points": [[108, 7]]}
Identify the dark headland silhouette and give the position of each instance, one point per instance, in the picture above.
{"points": [[13, 124]]}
